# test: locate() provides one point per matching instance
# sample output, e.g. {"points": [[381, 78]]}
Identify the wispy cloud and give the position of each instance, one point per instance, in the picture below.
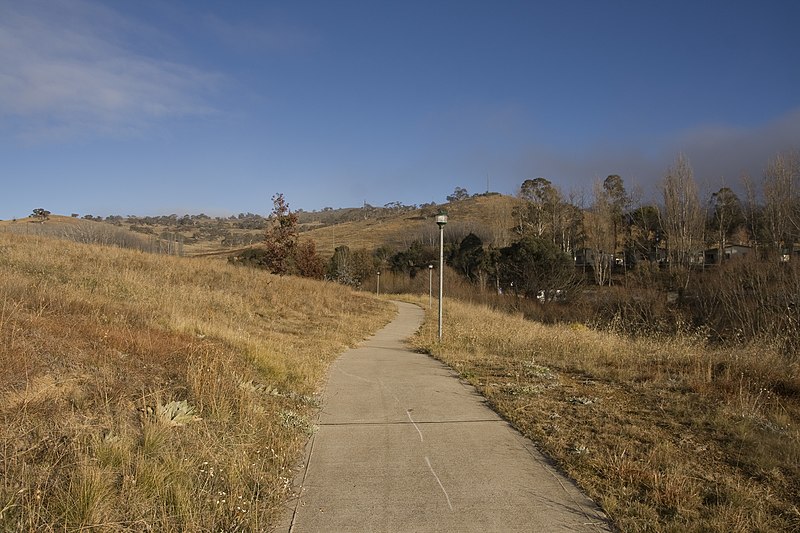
{"points": [[69, 70], [259, 35]]}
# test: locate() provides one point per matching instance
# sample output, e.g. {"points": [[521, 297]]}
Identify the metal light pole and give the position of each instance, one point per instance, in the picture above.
{"points": [[441, 220], [430, 286], [378, 288]]}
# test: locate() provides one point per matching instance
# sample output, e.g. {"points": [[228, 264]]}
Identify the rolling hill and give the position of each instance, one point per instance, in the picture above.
{"points": [[489, 216]]}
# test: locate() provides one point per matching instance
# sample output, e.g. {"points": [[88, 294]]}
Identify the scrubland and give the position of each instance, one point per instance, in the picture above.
{"points": [[665, 432], [143, 392]]}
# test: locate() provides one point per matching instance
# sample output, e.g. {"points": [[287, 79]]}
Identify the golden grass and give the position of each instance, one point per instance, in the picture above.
{"points": [[489, 215], [666, 434], [152, 392]]}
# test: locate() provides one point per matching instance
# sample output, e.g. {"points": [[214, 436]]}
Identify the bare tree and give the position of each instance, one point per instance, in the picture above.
{"points": [[600, 238], [501, 224], [682, 216], [570, 225], [752, 212], [782, 202]]}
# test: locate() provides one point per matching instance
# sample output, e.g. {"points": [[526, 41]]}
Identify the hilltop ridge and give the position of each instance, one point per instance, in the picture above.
{"points": [[394, 225]]}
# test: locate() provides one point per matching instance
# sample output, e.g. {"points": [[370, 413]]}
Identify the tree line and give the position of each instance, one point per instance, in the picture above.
{"points": [[566, 249], [615, 234]]}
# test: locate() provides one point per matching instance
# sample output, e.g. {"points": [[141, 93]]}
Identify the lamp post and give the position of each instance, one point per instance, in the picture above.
{"points": [[378, 288], [430, 286], [441, 220]]}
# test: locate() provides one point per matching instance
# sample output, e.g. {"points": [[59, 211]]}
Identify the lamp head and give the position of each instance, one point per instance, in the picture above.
{"points": [[441, 218]]}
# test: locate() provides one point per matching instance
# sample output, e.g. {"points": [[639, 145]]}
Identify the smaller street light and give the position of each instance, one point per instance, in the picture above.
{"points": [[430, 286], [378, 288]]}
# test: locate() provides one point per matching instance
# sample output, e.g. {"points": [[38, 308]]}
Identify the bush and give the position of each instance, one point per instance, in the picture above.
{"points": [[750, 300]]}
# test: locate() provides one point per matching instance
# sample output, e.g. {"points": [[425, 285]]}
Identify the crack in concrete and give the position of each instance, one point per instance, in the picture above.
{"points": [[404, 423]]}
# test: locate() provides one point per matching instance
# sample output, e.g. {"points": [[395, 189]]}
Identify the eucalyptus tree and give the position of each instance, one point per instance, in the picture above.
{"points": [[618, 204], [726, 217], [536, 268], [545, 214], [539, 211], [646, 233]]}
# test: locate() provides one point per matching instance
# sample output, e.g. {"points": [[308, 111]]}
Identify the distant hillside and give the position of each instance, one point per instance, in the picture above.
{"points": [[395, 225], [82, 231], [489, 216]]}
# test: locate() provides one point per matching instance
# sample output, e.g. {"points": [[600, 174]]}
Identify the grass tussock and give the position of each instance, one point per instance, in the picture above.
{"points": [[667, 434], [144, 392]]}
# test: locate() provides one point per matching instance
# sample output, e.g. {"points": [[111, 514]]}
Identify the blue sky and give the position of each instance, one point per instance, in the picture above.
{"points": [[158, 107]]}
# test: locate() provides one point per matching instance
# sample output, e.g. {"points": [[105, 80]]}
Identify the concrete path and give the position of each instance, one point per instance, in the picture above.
{"points": [[404, 445]]}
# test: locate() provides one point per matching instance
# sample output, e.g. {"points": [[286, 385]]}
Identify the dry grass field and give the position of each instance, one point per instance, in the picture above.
{"points": [[668, 435], [143, 392], [490, 217]]}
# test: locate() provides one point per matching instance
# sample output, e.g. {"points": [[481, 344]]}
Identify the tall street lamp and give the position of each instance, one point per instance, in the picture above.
{"points": [[430, 286], [441, 220]]}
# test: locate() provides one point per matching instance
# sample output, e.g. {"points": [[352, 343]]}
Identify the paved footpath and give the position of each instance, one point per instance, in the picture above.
{"points": [[404, 445]]}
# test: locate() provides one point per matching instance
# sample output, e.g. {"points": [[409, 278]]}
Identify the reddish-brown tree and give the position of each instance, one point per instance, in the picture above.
{"points": [[280, 241]]}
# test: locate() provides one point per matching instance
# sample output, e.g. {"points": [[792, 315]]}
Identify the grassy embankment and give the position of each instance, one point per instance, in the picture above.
{"points": [[489, 217], [665, 433], [143, 392]]}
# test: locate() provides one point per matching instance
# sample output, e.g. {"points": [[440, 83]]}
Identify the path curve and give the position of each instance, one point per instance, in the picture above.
{"points": [[404, 445]]}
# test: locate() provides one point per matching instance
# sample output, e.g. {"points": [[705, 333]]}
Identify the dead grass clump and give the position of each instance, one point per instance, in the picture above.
{"points": [[752, 300], [151, 393], [666, 433], [86, 500]]}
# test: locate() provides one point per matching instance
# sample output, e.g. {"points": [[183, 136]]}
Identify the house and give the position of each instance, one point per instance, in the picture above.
{"points": [[787, 253], [586, 257], [730, 251]]}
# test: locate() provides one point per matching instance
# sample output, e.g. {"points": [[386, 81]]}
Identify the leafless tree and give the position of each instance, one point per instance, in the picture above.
{"points": [[600, 238], [782, 202], [682, 216], [751, 211]]}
